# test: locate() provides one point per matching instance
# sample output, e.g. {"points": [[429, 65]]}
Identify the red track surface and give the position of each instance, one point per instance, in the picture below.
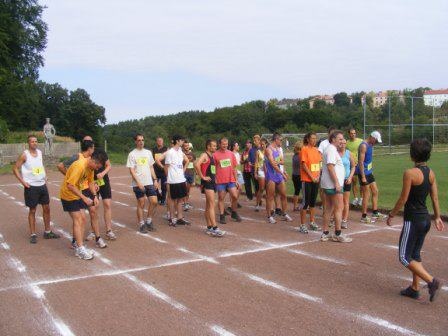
{"points": [[260, 279]]}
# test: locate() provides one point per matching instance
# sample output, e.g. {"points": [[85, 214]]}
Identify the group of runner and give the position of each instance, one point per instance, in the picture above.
{"points": [[164, 176]]}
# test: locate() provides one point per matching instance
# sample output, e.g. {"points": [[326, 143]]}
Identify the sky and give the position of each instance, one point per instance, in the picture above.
{"points": [[142, 57]]}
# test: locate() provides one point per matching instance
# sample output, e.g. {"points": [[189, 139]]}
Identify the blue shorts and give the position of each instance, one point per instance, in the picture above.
{"points": [[148, 192], [189, 178], [225, 186]]}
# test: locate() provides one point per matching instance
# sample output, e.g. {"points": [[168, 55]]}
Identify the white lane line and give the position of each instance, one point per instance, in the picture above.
{"points": [[387, 246], [119, 177], [63, 328], [319, 257], [118, 224], [268, 283], [221, 331], [121, 192], [16, 264], [55, 199], [147, 235], [11, 197], [387, 325], [10, 185], [120, 203], [5, 246], [19, 203], [121, 184], [155, 292], [205, 258]]}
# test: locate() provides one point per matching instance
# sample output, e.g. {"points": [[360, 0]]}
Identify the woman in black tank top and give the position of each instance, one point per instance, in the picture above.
{"points": [[418, 182]]}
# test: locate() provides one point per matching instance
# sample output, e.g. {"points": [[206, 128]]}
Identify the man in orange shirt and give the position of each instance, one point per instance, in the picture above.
{"points": [[310, 173]]}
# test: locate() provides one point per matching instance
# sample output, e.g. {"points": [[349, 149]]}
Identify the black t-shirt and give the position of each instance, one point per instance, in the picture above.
{"points": [[159, 171], [106, 177]]}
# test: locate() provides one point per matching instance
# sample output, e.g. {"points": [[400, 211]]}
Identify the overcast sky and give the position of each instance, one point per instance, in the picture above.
{"points": [[142, 57]]}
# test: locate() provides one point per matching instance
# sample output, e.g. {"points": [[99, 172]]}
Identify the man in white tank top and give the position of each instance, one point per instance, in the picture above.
{"points": [[33, 178]]}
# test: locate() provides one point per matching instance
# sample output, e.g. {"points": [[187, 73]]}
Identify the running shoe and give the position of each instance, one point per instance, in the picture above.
{"points": [[379, 216], [83, 253], [172, 222], [149, 225], [33, 239], [143, 228], [101, 243], [185, 207], [367, 220], [235, 216], [325, 237], [278, 211], [271, 220], [110, 235], [344, 224], [73, 245], [51, 235], [341, 238], [166, 216], [355, 202], [433, 288], [303, 229], [257, 208], [215, 232], [91, 236], [286, 218], [162, 203], [314, 227], [222, 219], [331, 224], [209, 231], [359, 201], [410, 292], [183, 221]]}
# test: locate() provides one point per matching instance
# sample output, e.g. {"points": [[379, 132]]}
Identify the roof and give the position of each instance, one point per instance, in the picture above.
{"points": [[436, 92]]}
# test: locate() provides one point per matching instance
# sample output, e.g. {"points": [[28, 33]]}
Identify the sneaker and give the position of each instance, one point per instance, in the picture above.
{"points": [[355, 202], [379, 216], [341, 239], [143, 228], [91, 236], [433, 288], [183, 221], [162, 203], [149, 225], [235, 216], [217, 232], [278, 211], [410, 292], [344, 224], [324, 237], [287, 218], [303, 229], [257, 208], [101, 243], [166, 217], [367, 220], [73, 245], [110, 235], [209, 231], [172, 222], [222, 219], [33, 239], [314, 227], [359, 201], [83, 253], [271, 220], [51, 235]]}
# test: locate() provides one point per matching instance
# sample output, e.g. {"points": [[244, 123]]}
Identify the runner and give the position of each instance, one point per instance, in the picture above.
{"points": [[157, 151], [247, 171], [349, 169], [189, 172], [226, 179], [259, 172], [353, 146], [33, 178], [366, 178], [310, 164], [332, 182], [74, 201], [322, 145], [144, 182], [296, 175], [176, 163], [275, 179], [253, 153], [87, 148], [235, 147], [277, 199], [417, 183], [206, 169]]}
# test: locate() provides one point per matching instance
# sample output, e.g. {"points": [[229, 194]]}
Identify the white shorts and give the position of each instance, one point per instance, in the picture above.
{"points": [[261, 173]]}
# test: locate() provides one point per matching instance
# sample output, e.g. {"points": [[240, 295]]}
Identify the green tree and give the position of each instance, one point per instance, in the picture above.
{"points": [[341, 99]]}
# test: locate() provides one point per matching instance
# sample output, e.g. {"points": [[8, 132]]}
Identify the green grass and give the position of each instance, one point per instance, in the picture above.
{"points": [[6, 169], [388, 172]]}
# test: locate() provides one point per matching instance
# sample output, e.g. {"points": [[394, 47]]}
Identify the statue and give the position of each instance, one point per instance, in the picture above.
{"points": [[49, 134]]}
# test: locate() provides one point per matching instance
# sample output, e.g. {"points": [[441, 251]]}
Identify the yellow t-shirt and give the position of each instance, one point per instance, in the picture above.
{"points": [[79, 175]]}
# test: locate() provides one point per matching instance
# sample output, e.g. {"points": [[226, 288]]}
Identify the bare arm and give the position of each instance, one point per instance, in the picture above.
{"points": [[61, 168], [154, 177], [134, 177], [159, 159], [15, 169], [106, 170], [407, 183], [197, 166], [361, 158], [185, 162], [352, 169], [435, 202]]}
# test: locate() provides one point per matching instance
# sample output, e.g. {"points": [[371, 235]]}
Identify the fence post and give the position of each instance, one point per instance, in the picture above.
{"points": [[364, 111], [412, 118], [390, 130], [433, 125]]}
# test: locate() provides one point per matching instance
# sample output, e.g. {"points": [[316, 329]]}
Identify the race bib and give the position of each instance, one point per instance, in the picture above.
{"points": [[213, 169], [315, 167], [157, 156], [369, 166], [142, 161], [225, 163], [278, 159], [100, 182], [190, 165], [38, 170]]}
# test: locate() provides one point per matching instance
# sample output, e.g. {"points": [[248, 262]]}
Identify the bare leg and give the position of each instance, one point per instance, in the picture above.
{"points": [[374, 189], [79, 222], [140, 207], [46, 216], [338, 205], [328, 210], [281, 189], [32, 220], [210, 208], [234, 198], [419, 271], [270, 191], [346, 205], [107, 214], [94, 220], [365, 198], [221, 197], [152, 205]]}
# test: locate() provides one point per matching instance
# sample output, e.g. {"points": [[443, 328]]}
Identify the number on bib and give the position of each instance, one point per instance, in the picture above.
{"points": [[100, 182], [38, 170], [142, 161], [225, 163], [213, 169], [157, 156], [315, 167], [190, 165], [369, 166]]}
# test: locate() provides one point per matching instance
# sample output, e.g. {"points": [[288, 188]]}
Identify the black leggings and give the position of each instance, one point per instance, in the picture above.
{"points": [[297, 184]]}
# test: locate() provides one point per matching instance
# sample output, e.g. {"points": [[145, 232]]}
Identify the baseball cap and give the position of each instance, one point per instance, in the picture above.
{"points": [[376, 135]]}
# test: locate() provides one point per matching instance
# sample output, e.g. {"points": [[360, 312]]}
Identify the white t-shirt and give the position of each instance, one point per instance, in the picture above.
{"points": [[174, 158], [33, 171], [238, 161], [323, 145], [141, 160], [331, 156]]}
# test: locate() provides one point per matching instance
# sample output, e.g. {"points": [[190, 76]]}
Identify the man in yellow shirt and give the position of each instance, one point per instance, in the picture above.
{"points": [[74, 202], [353, 145]]}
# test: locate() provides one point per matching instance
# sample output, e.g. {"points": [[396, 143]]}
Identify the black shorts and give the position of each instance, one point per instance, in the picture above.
{"points": [[178, 190], [297, 184], [87, 193], [370, 179], [105, 190], [412, 238], [73, 206], [36, 195], [205, 185], [309, 193], [347, 187], [149, 191]]}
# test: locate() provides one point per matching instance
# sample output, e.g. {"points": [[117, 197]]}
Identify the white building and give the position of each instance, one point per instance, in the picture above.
{"points": [[435, 97]]}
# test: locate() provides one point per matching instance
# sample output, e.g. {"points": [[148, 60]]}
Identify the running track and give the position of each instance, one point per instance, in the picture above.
{"points": [[260, 279]]}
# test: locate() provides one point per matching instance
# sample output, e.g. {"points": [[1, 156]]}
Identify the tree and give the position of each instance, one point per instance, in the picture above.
{"points": [[341, 99]]}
